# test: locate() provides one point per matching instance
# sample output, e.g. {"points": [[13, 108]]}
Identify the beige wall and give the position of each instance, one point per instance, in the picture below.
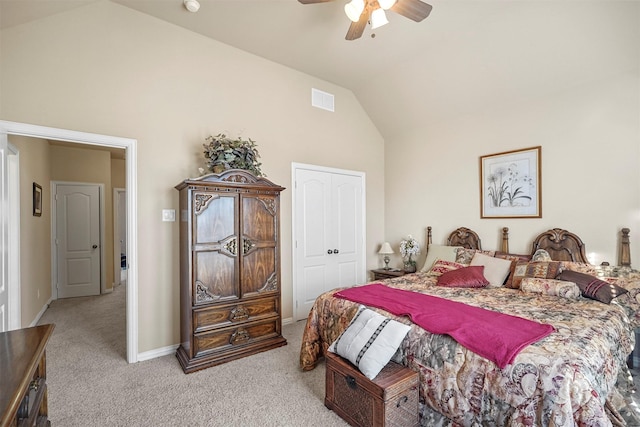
{"points": [[109, 70], [590, 138], [35, 232], [82, 164]]}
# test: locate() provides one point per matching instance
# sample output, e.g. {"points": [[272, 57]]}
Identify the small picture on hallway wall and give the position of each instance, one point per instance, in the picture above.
{"points": [[37, 199], [510, 184]]}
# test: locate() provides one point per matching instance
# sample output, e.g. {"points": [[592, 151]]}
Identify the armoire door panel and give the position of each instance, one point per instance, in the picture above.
{"points": [[259, 218], [259, 272], [215, 277], [215, 217]]}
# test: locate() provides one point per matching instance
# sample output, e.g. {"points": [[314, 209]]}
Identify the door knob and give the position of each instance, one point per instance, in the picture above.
{"points": [[329, 251], [335, 251], [95, 246]]}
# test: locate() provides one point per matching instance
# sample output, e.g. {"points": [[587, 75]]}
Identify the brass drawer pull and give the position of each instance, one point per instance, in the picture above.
{"points": [[238, 313], [239, 336]]}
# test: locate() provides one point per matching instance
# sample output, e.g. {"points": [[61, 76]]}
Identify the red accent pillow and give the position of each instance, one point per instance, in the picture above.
{"points": [[467, 277]]}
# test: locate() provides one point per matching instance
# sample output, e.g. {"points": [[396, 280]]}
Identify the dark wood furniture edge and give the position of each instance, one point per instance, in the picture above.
{"points": [[18, 390]]}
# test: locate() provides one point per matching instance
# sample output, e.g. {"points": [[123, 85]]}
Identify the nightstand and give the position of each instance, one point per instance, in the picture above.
{"points": [[382, 274]]}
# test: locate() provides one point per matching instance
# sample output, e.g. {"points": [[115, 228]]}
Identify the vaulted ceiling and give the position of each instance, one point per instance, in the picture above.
{"points": [[467, 55]]}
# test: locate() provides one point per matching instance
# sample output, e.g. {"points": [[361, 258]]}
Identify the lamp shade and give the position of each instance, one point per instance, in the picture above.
{"points": [[385, 249], [378, 18], [354, 9]]}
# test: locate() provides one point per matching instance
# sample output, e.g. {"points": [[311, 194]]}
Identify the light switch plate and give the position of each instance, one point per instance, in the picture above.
{"points": [[168, 215]]}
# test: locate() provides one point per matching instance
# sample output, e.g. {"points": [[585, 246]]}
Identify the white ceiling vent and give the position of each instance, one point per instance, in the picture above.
{"points": [[322, 100]]}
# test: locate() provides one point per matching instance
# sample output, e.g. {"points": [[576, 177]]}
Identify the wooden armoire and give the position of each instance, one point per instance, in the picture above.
{"points": [[229, 268]]}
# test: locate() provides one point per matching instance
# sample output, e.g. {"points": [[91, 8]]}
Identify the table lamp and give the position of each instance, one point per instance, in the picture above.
{"points": [[386, 250]]}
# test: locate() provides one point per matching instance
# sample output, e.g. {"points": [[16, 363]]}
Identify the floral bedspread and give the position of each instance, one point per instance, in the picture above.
{"points": [[564, 379]]}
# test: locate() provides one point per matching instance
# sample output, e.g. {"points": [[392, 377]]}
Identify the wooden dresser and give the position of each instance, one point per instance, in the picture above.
{"points": [[229, 268], [23, 375]]}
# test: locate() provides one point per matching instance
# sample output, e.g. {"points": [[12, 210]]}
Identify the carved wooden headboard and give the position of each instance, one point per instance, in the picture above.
{"points": [[462, 236], [561, 245]]}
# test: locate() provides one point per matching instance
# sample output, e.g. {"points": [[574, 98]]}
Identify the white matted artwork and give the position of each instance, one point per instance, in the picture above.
{"points": [[510, 184]]}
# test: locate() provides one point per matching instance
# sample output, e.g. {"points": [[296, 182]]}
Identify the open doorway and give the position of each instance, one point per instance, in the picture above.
{"points": [[8, 244]]}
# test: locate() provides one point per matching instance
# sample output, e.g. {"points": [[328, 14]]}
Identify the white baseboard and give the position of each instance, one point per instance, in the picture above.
{"points": [[39, 315], [158, 352], [287, 321], [171, 349]]}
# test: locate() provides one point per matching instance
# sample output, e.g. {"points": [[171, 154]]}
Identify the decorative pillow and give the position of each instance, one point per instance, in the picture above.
{"points": [[592, 287], [370, 341], [464, 255], [435, 252], [514, 258], [442, 266], [540, 269], [552, 287], [579, 267], [541, 255], [466, 277], [496, 270]]}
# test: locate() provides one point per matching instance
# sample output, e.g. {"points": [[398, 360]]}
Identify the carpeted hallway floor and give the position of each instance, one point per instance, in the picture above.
{"points": [[91, 384]]}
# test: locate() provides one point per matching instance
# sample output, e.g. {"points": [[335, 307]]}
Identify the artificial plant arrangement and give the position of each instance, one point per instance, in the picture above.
{"points": [[409, 248], [222, 153]]}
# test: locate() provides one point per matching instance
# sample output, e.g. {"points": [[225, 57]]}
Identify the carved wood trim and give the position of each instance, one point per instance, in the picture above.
{"points": [[203, 294], [201, 201], [505, 240], [464, 237], [562, 245], [271, 283]]}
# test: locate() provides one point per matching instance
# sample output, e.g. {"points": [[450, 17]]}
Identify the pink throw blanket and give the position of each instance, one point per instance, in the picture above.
{"points": [[496, 336]]}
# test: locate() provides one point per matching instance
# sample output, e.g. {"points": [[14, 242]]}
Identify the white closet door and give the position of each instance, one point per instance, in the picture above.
{"points": [[328, 234]]}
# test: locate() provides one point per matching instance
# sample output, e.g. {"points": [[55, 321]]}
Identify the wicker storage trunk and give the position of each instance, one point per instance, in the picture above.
{"points": [[391, 399]]}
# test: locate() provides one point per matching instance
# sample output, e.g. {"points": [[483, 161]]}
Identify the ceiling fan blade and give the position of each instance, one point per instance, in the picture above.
{"points": [[413, 9], [357, 28], [313, 1]]}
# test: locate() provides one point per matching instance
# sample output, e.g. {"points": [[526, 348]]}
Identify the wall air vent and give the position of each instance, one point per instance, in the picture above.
{"points": [[322, 100]]}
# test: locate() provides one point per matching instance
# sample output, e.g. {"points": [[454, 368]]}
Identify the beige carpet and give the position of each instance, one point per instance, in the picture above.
{"points": [[91, 384]]}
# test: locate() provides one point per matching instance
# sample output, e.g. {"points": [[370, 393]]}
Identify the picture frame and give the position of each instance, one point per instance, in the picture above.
{"points": [[511, 184], [37, 200]]}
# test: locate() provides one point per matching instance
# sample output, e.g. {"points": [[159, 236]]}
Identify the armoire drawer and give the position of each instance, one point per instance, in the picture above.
{"points": [[228, 314], [236, 336]]}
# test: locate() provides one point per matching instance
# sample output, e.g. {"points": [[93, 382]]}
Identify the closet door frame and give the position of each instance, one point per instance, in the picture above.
{"points": [[297, 281]]}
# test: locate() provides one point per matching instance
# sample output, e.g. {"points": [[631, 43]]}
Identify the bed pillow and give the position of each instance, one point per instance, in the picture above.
{"points": [[441, 266], [436, 252], [370, 341], [541, 255], [496, 270], [552, 287], [466, 277], [592, 287], [464, 255], [514, 258], [539, 269], [580, 267]]}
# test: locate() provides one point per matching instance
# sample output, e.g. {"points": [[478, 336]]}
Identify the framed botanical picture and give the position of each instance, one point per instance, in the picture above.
{"points": [[510, 184], [37, 200]]}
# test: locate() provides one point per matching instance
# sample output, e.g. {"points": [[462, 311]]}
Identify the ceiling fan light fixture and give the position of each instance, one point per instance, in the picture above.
{"points": [[386, 4], [191, 5], [354, 9], [378, 19]]}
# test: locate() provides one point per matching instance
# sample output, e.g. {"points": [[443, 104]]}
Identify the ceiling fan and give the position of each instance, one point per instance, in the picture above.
{"points": [[361, 12]]}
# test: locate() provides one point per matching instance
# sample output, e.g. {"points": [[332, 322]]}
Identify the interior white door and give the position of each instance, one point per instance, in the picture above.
{"points": [[4, 229], [329, 234], [77, 239]]}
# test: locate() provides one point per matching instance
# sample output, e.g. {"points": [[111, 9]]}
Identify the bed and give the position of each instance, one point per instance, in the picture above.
{"points": [[578, 375]]}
